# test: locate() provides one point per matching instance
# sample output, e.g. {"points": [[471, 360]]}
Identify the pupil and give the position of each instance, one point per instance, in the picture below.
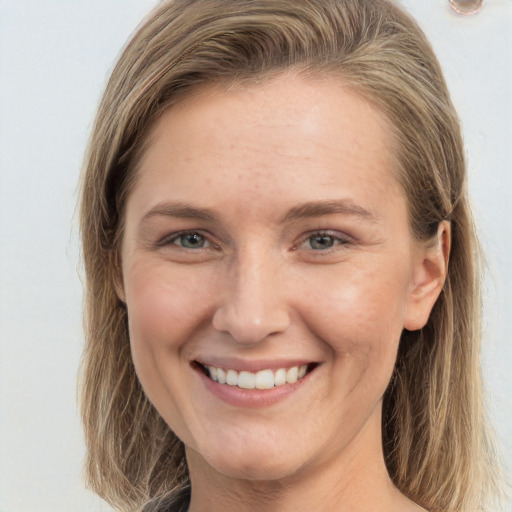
{"points": [[322, 242], [193, 240]]}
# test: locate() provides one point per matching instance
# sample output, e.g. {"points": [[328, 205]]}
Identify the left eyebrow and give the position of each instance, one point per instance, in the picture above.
{"points": [[330, 207]]}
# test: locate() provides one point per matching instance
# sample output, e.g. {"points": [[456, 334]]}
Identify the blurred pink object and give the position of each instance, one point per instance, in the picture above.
{"points": [[466, 7]]}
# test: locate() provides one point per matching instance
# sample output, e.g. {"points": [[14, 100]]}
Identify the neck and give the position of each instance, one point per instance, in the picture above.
{"points": [[353, 480]]}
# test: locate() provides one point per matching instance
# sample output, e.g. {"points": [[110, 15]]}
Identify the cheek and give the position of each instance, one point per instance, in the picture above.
{"points": [[362, 300], [167, 311], [359, 315], [165, 307]]}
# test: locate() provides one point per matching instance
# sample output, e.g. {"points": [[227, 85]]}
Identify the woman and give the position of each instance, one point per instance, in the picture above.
{"points": [[282, 270]]}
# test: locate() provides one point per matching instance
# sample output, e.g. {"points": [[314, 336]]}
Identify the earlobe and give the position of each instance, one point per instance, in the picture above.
{"points": [[428, 278]]}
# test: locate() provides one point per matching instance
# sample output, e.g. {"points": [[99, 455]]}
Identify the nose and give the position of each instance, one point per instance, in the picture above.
{"points": [[252, 303]]}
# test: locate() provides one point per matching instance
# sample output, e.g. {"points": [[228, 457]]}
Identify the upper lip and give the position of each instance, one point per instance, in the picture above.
{"points": [[252, 365]]}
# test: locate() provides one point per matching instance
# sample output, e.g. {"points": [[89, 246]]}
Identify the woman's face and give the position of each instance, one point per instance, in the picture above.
{"points": [[266, 237]]}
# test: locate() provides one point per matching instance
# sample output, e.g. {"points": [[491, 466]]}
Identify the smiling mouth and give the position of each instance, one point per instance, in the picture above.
{"points": [[263, 379]]}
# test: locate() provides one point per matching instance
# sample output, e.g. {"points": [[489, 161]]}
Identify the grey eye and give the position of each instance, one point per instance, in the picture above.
{"points": [[191, 241], [321, 242]]}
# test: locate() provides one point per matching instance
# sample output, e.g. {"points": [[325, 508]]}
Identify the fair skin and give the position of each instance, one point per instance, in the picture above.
{"points": [[267, 231]]}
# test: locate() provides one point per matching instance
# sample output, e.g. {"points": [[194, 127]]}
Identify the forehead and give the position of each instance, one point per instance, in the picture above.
{"points": [[289, 136]]}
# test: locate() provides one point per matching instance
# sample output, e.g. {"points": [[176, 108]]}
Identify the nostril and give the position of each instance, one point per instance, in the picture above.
{"points": [[248, 326]]}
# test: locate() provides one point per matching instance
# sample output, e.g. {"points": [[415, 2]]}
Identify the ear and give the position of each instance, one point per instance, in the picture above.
{"points": [[428, 277]]}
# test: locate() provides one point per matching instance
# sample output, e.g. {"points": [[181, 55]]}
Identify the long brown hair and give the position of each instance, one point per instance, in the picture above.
{"points": [[435, 436]]}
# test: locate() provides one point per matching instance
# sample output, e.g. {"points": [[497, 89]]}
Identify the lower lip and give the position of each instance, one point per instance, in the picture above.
{"points": [[251, 398]]}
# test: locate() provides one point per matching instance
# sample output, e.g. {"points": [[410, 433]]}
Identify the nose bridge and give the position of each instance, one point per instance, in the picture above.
{"points": [[252, 305]]}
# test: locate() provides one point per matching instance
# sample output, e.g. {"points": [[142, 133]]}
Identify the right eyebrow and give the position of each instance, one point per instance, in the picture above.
{"points": [[179, 210]]}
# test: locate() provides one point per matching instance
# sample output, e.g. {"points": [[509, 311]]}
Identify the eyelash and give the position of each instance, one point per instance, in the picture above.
{"points": [[337, 240], [172, 239]]}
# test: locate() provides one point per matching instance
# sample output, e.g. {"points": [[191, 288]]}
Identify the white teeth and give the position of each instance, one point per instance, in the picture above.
{"points": [[232, 378], [280, 377], [246, 380], [292, 374], [221, 376], [264, 379]]}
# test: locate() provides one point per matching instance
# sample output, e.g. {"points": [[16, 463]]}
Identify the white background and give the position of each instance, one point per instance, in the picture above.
{"points": [[54, 59]]}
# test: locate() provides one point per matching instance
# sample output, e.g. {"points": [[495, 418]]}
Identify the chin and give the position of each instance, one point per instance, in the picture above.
{"points": [[261, 463]]}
